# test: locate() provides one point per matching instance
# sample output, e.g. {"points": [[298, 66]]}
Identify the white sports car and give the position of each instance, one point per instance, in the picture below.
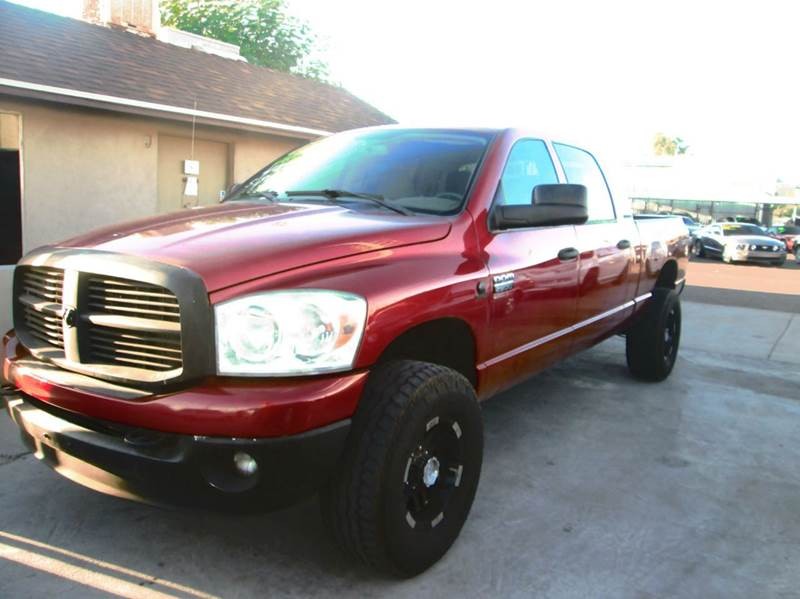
{"points": [[738, 242]]}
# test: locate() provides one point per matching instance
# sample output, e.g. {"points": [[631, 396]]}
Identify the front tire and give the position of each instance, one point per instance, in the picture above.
{"points": [[698, 250], [651, 345], [411, 468]]}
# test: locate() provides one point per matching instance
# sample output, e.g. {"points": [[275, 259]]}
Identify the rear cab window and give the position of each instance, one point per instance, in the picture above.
{"points": [[581, 167]]}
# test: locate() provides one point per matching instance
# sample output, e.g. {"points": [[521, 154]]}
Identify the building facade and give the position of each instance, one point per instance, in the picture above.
{"points": [[94, 130]]}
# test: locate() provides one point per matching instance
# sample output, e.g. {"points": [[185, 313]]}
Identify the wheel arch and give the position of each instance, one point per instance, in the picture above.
{"points": [[668, 275], [446, 341]]}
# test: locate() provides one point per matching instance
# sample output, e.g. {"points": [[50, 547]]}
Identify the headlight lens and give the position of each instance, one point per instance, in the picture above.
{"points": [[753, 247], [279, 333]]}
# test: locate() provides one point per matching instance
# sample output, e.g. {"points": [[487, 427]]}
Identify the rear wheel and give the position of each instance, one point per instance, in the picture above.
{"points": [[651, 345], [411, 468]]}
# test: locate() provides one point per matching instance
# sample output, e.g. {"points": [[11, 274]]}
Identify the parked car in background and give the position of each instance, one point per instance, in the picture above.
{"points": [[743, 219], [691, 224], [738, 242], [786, 233]]}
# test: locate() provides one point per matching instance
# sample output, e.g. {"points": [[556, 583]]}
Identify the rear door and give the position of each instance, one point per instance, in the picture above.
{"points": [[606, 273], [534, 292]]}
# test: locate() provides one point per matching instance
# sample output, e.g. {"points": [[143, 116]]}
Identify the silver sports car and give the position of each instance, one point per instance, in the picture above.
{"points": [[738, 242]]}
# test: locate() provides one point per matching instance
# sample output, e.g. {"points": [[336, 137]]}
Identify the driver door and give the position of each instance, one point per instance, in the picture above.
{"points": [[534, 290]]}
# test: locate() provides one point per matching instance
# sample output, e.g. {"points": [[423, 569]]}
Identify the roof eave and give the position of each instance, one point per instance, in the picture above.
{"points": [[63, 95]]}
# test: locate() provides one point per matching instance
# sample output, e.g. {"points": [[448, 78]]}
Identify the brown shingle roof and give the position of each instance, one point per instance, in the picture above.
{"points": [[42, 48]]}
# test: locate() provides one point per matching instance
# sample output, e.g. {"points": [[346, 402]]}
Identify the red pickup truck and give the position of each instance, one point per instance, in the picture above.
{"points": [[332, 327]]}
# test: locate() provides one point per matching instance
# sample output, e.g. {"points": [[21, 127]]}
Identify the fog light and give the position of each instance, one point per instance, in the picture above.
{"points": [[245, 463]]}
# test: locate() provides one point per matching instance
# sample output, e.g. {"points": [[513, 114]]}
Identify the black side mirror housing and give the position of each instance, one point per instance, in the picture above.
{"points": [[551, 205]]}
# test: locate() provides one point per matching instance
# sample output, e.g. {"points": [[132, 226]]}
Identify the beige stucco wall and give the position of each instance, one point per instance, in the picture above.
{"points": [[83, 168]]}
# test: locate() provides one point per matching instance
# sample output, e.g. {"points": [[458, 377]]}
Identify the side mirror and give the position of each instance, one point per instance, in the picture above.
{"points": [[551, 205]]}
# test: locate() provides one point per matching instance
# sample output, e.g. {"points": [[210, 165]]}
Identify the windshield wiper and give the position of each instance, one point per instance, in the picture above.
{"points": [[335, 194], [268, 194]]}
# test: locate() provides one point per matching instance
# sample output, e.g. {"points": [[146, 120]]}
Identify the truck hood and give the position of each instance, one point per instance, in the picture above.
{"points": [[236, 242]]}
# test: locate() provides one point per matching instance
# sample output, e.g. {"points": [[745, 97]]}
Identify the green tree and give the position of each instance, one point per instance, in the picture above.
{"points": [[668, 146], [264, 31]]}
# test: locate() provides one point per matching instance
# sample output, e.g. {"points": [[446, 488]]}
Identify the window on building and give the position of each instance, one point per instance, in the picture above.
{"points": [[581, 167], [10, 190], [528, 165]]}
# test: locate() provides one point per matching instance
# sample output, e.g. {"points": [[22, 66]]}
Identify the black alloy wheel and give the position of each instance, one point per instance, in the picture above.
{"points": [[433, 473], [652, 343], [411, 468]]}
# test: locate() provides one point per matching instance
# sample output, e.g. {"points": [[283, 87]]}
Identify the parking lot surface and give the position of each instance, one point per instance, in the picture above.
{"points": [[594, 485]]}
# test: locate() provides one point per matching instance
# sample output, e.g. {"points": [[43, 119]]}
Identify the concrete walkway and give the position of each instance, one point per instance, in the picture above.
{"points": [[593, 485], [746, 332]]}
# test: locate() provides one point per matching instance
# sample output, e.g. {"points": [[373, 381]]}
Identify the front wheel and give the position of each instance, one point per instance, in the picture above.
{"points": [[411, 468], [651, 345], [697, 249]]}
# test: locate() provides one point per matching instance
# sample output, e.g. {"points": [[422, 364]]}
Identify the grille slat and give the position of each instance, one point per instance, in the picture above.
{"points": [[112, 308]]}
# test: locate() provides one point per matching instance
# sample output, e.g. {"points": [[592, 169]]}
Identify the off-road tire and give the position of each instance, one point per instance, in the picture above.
{"points": [[651, 345], [368, 504]]}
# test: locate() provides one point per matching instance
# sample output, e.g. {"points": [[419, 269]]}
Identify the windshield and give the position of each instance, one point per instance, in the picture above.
{"points": [[427, 171], [741, 229]]}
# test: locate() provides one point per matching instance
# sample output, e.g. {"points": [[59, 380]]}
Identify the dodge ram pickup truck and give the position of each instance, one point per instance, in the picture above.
{"points": [[333, 325]]}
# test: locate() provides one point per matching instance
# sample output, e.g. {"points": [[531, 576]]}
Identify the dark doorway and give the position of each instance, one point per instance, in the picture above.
{"points": [[10, 208]]}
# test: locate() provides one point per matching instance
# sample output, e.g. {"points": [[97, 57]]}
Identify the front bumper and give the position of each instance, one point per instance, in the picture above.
{"points": [[213, 407], [148, 465], [758, 256]]}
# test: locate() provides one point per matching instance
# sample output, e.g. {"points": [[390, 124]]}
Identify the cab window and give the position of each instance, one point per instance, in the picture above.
{"points": [[581, 167], [528, 165]]}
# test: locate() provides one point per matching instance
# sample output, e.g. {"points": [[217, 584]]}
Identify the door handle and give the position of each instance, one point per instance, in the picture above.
{"points": [[623, 244], [568, 254]]}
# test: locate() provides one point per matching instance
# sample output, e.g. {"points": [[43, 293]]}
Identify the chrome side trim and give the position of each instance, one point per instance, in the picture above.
{"points": [[680, 281], [560, 333], [643, 297]]}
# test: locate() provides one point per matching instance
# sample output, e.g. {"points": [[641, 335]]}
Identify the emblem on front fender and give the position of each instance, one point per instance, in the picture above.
{"points": [[502, 283]]}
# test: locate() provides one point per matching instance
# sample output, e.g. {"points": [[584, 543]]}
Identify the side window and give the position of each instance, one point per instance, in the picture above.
{"points": [[528, 165], [581, 167]]}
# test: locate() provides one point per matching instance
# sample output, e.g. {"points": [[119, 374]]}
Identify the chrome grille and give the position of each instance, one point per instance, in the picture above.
{"points": [[40, 299], [135, 324], [112, 321], [139, 349], [111, 295]]}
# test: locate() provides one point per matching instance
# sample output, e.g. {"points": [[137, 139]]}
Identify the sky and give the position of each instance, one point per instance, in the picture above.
{"points": [[721, 75]]}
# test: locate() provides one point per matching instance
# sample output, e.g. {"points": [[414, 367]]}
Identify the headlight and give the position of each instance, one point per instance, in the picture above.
{"points": [[753, 247], [279, 333]]}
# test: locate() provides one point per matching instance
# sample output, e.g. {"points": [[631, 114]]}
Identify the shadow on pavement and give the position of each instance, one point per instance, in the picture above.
{"points": [[779, 302]]}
